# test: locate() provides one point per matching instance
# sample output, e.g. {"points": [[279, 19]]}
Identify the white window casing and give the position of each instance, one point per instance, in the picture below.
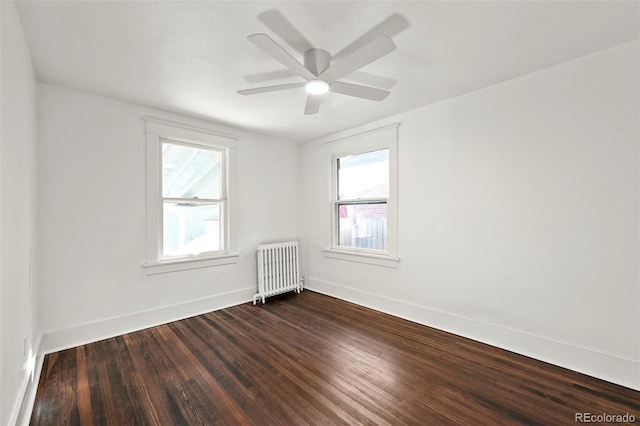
{"points": [[365, 142], [160, 131]]}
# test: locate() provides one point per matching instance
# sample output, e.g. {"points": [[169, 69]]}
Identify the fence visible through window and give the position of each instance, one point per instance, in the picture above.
{"points": [[361, 205]]}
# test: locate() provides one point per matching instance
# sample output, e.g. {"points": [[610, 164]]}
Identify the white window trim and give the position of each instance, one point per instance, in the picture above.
{"points": [[156, 130], [222, 200], [381, 138]]}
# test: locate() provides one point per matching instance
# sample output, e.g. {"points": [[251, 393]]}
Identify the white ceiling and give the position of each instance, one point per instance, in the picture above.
{"points": [[191, 57]]}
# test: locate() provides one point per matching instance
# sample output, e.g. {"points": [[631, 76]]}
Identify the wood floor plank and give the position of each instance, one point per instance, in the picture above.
{"points": [[310, 359]]}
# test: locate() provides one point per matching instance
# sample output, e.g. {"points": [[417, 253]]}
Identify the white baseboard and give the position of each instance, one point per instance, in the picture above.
{"points": [[24, 414], [53, 341], [15, 410], [602, 366], [21, 411]]}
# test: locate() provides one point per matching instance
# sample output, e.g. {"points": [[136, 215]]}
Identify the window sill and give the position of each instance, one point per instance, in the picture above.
{"points": [[186, 264], [360, 257]]}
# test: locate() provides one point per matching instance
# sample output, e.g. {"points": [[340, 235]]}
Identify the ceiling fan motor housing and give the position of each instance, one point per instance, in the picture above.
{"points": [[317, 60]]}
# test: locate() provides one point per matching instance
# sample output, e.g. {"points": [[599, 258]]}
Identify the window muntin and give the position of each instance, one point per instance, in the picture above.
{"points": [[193, 200], [360, 205]]}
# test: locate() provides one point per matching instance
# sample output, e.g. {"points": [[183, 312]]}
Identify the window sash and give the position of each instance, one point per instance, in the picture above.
{"points": [[376, 200], [222, 202], [207, 253], [194, 200], [336, 202], [338, 168], [337, 234], [189, 144]]}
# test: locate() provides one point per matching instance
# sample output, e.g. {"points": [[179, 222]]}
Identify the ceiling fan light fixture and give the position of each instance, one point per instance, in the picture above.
{"points": [[316, 87]]}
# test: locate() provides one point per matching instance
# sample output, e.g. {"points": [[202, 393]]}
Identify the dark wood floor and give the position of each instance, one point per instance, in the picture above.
{"points": [[310, 359]]}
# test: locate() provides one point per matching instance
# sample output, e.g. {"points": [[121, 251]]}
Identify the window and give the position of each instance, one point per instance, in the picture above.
{"points": [[189, 197], [361, 205], [363, 201], [193, 199]]}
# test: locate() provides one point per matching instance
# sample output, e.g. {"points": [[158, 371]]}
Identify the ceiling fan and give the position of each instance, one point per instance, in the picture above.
{"points": [[319, 73]]}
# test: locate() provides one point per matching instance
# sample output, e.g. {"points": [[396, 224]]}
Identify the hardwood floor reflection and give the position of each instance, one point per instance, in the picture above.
{"points": [[310, 359]]}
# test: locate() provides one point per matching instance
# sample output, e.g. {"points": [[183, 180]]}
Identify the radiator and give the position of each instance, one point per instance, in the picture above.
{"points": [[278, 270]]}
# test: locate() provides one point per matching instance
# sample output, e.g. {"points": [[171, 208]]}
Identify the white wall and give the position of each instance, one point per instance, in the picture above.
{"points": [[518, 216], [92, 220], [17, 212]]}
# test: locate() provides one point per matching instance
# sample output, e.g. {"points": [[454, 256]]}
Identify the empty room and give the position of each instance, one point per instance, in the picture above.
{"points": [[319, 212]]}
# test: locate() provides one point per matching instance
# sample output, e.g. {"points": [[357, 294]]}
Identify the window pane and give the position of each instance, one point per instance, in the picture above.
{"points": [[364, 175], [191, 228], [189, 172], [362, 225]]}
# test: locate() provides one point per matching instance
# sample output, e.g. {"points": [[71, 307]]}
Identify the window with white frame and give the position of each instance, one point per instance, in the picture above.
{"points": [[189, 197], [364, 197], [193, 199], [360, 208]]}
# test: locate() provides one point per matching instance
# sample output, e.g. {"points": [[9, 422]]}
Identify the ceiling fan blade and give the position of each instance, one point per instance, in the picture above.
{"points": [[263, 77], [355, 90], [267, 89], [375, 49], [277, 23], [391, 26], [372, 80], [313, 104], [269, 46]]}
